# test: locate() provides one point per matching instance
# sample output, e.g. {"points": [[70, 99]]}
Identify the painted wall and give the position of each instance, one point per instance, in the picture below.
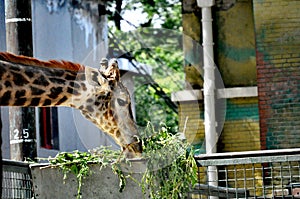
{"points": [[277, 26], [235, 44], [192, 48], [191, 121], [241, 129], [235, 57], [234, 49]]}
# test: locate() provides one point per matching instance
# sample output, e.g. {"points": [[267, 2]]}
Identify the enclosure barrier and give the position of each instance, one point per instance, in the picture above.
{"points": [[16, 182], [254, 174]]}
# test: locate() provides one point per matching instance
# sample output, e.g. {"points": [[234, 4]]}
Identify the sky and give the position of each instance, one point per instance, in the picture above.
{"points": [[135, 17]]}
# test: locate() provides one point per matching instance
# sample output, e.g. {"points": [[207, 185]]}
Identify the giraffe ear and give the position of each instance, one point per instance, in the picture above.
{"points": [[94, 78], [112, 73]]}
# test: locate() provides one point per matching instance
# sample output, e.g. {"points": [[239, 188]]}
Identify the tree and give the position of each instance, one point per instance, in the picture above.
{"points": [[163, 13], [159, 48]]}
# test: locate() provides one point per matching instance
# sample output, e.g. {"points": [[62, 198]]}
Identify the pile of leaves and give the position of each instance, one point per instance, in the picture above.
{"points": [[171, 169]]}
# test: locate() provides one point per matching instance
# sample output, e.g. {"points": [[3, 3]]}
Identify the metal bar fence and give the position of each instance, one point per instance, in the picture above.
{"points": [[254, 174], [16, 181]]}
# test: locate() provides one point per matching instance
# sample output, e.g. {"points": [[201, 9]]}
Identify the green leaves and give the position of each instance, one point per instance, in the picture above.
{"points": [[77, 163], [171, 169], [160, 49], [166, 13], [122, 178]]}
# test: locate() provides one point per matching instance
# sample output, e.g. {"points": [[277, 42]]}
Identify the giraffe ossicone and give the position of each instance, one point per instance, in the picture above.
{"points": [[98, 93]]}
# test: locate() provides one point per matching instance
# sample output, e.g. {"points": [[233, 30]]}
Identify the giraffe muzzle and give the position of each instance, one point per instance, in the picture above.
{"points": [[133, 150]]}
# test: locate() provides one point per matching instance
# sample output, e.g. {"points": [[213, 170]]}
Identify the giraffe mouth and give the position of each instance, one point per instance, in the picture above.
{"points": [[133, 150]]}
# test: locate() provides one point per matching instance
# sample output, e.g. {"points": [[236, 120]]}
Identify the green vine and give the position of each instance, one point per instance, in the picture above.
{"points": [[171, 169]]}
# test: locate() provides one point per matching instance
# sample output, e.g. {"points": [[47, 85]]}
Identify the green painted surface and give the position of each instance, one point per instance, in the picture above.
{"points": [[241, 111], [241, 54]]}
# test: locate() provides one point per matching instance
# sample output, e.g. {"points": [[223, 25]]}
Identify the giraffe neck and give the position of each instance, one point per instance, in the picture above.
{"points": [[100, 96], [23, 85]]}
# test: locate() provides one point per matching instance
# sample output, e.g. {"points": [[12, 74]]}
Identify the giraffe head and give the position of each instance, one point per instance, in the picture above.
{"points": [[108, 105], [126, 133]]}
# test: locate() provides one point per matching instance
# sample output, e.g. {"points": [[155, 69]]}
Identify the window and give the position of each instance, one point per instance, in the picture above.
{"points": [[49, 128]]}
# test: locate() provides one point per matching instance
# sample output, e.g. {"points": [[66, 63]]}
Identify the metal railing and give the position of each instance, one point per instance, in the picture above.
{"points": [[254, 174], [16, 182]]}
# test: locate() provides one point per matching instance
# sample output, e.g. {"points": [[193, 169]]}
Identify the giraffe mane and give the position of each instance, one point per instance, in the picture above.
{"points": [[30, 61]]}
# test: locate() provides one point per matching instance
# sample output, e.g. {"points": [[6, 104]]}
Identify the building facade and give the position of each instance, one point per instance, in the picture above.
{"points": [[256, 54]]}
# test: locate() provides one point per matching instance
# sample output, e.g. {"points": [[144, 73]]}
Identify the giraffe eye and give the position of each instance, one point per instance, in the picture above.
{"points": [[121, 102]]}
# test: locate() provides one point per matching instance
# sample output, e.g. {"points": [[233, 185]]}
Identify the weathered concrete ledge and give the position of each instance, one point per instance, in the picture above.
{"points": [[48, 182], [226, 93]]}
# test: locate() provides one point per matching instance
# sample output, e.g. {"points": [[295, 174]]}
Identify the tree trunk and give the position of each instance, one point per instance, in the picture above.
{"points": [[117, 15]]}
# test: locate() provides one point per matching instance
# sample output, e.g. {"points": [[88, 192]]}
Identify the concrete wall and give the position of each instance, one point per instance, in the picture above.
{"points": [[101, 183], [277, 26]]}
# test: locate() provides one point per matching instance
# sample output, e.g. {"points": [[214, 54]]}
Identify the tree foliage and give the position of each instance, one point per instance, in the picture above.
{"points": [[160, 48], [165, 13]]}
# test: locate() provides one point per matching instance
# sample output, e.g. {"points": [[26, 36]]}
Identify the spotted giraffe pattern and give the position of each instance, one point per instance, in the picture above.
{"points": [[98, 94]]}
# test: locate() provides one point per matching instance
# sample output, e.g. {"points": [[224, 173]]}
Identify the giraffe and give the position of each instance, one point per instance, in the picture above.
{"points": [[98, 94]]}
